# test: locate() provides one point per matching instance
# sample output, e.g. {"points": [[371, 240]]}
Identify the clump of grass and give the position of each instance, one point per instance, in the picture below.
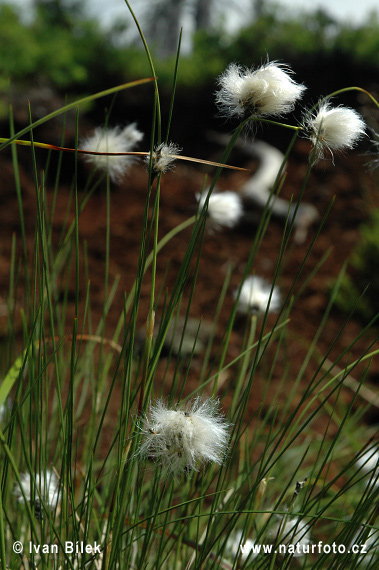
{"points": [[361, 281], [274, 487]]}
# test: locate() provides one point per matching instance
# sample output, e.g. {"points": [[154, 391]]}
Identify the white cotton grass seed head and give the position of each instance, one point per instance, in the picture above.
{"points": [[369, 549], [48, 487], [115, 140], [255, 296], [368, 462], [236, 546], [5, 409], [267, 90], [333, 129], [296, 533], [164, 156], [225, 209], [182, 440]]}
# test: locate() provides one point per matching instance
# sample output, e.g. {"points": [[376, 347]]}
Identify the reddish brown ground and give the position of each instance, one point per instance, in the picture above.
{"points": [[348, 181]]}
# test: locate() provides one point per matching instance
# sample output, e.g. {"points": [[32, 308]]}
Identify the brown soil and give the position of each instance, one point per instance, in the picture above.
{"points": [[348, 181]]}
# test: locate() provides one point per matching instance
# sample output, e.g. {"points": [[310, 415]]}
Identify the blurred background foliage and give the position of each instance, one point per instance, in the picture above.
{"points": [[61, 44], [58, 45], [363, 275]]}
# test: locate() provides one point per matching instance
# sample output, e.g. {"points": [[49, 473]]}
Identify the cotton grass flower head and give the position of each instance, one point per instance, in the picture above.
{"points": [[255, 294], [296, 535], [181, 440], [224, 208], [48, 487], [5, 409], [369, 549], [235, 547], [268, 90], [333, 129], [115, 140], [369, 463], [164, 156]]}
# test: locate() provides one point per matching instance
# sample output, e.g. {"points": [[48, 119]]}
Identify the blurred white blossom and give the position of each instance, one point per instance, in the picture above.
{"points": [[255, 296], [235, 547], [5, 409], [333, 129], [116, 140], [224, 208], [268, 90], [368, 550], [48, 486], [181, 440], [164, 157], [369, 463], [297, 534]]}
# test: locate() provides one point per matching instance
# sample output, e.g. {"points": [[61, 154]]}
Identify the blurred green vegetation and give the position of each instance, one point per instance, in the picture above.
{"points": [[65, 49], [363, 275], [64, 46]]}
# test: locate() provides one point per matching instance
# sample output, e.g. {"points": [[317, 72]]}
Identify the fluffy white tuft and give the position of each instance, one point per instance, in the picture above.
{"points": [[5, 409], [296, 532], [224, 208], [255, 296], [268, 90], [368, 548], [47, 484], [235, 546], [182, 440], [112, 140], [164, 157], [369, 463], [333, 129]]}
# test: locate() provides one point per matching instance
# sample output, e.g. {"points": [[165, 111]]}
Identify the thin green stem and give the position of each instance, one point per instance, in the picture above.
{"points": [[354, 88], [158, 108], [245, 363], [73, 105], [164, 241], [275, 123], [3, 555]]}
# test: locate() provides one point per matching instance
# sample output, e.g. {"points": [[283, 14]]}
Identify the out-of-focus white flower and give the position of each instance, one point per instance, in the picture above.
{"points": [[182, 440], [368, 550], [268, 90], [234, 547], [333, 129], [164, 157], [5, 409], [48, 486], [369, 463], [255, 296], [114, 140], [295, 533], [224, 208]]}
